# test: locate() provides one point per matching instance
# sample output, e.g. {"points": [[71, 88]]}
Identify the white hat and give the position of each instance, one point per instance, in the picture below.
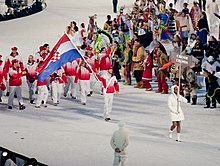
{"points": [[210, 59], [121, 124]]}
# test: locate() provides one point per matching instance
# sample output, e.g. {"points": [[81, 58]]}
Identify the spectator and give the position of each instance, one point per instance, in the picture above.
{"points": [[212, 89], [126, 63], [213, 48], [137, 58], [115, 3], [147, 74], [198, 52], [213, 8], [116, 55], [202, 4], [195, 14], [108, 24], [203, 28]]}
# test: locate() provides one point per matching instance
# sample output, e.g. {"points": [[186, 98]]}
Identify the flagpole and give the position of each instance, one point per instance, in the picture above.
{"points": [[179, 82], [84, 60]]}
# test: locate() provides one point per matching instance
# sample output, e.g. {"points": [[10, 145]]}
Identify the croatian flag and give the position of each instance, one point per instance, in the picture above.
{"points": [[64, 51]]}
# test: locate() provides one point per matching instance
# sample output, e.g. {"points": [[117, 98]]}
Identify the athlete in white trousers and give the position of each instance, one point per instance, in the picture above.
{"points": [[108, 99], [85, 89], [31, 77], [110, 86], [42, 90], [92, 83], [42, 95], [104, 73], [57, 89]]}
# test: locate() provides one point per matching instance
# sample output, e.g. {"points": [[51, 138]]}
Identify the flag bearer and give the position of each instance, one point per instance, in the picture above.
{"points": [[110, 86], [42, 92]]}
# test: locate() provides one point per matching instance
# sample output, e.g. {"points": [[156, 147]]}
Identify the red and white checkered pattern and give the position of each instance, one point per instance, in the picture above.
{"points": [[56, 57]]}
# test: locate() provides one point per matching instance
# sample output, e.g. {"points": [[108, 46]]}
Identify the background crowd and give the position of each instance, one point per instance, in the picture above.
{"points": [[20, 8]]}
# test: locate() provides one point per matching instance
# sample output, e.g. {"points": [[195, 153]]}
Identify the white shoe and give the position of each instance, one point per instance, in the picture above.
{"points": [[170, 134], [44, 105], [178, 137]]}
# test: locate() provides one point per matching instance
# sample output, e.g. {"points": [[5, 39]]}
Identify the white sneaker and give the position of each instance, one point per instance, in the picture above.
{"points": [[170, 134], [44, 105], [178, 137]]}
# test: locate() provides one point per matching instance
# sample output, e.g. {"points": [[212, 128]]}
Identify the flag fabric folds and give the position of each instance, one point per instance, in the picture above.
{"points": [[64, 51]]}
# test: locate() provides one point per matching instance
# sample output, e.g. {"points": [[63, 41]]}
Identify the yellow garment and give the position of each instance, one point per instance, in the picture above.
{"points": [[138, 59]]}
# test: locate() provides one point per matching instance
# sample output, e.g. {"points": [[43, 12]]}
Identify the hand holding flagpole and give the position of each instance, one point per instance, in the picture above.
{"points": [[85, 61]]}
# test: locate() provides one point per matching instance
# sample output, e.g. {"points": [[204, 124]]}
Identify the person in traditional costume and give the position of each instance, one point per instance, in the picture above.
{"points": [[203, 28], [195, 14]]}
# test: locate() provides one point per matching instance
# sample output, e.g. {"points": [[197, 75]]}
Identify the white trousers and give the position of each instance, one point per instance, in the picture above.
{"points": [[104, 73], [31, 89], [92, 81], [85, 89], [108, 99], [71, 85], [42, 95], [57, 89], [120, 159], [13, 90]]}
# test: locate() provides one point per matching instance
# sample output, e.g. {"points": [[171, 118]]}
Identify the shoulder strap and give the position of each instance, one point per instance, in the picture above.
{"points": [[110, 82]]}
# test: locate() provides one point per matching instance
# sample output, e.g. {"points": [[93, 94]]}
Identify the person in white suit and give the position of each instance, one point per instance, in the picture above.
{"points": [[213, 20], [175, 111], [119, 143]]}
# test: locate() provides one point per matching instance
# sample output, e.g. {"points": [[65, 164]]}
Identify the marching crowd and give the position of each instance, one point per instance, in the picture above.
{"points": [[130, 45]]}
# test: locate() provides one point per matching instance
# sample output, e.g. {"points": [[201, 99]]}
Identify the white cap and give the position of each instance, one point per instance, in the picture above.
{"points": [[121, 124], [210, 59]]}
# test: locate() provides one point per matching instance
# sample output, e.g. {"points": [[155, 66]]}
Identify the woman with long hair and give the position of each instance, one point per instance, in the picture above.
{"points": [[203, 28], [116, 55]]}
